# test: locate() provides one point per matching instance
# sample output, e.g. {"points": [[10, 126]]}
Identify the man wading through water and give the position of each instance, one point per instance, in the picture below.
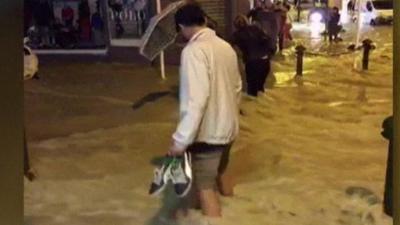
{"points": [[210, 88], [257, 49]]}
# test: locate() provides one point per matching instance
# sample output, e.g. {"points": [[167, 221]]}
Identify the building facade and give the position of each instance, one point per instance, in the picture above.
{"points": [[98, 26]]}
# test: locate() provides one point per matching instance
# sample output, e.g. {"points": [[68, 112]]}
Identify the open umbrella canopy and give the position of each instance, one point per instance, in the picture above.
{"points": [[161, 31]]}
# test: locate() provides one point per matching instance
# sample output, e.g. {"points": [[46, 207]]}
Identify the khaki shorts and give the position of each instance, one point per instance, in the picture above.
{"points": [[208, 161]]}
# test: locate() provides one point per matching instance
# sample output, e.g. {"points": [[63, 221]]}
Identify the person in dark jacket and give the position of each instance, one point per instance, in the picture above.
{"points": [[252, 15], [84, 20], [44, 17], [257, 49], [388, 195], [333, 25], [267, 18]]}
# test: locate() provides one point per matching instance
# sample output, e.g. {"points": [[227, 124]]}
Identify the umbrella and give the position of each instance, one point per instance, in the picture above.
{"points": [[161, 32]]}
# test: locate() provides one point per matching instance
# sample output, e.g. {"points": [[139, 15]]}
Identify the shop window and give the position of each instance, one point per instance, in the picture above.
{"points": [[128, 19], [65, 24]]}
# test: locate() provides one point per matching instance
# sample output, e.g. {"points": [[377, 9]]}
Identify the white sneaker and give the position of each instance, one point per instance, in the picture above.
{"points": [[181, 175], [161, 177]]}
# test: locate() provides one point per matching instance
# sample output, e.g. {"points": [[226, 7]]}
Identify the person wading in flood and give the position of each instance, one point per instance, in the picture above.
{"points": [[257, 49], [210, 89]]}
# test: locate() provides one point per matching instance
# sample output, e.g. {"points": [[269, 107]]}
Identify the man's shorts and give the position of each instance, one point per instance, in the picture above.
{"points": [[208, 161]]}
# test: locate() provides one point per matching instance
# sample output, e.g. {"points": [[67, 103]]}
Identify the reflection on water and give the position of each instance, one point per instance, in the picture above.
{"points": [[316, 29], [283, 78], [289, 79]]}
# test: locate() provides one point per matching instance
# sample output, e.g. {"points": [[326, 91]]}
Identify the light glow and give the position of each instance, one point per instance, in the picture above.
{"points": [[316, 17], [316, 29]]}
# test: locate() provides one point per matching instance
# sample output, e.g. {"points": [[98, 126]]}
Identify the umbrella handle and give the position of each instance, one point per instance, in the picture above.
{"points": [[162, 65]]}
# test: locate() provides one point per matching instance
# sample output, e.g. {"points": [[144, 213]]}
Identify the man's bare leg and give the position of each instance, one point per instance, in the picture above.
{"points": [[209, 202], [225, 185], [225, 182], [191, 201]]}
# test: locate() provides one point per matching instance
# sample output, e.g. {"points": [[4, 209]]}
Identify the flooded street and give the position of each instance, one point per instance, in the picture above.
{"points": [[310, 150]]}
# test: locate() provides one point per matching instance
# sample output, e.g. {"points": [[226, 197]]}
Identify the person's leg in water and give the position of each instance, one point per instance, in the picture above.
{"points": [[209, 202], [258, 70], [204, 196], [204, 199], [190, 201], [251, 78], [288, 35], [207, 166], [264, 69], [330, 34], [225, 182], [281, 40], [336, 32]]}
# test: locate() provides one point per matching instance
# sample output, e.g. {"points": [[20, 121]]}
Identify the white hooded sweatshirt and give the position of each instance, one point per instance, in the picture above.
{"points": [[210, 89]]}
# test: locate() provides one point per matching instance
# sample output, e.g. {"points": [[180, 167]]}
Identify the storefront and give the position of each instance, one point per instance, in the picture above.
{"points": [[85, 26], [128, 20], [95, 26]]}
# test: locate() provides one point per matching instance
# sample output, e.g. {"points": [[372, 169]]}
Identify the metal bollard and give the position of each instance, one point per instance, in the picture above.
{"points": [[367, 46], [387, 133], [300, 53]]}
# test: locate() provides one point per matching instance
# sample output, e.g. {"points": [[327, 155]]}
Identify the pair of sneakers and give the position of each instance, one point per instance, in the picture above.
{"points": [[178, 171]]}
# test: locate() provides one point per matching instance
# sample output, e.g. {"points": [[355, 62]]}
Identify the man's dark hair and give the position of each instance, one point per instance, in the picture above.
{"points": [[190, 15]]}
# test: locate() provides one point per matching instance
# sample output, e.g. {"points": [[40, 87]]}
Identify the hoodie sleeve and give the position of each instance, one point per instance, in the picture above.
{"points": [[195, 89]]}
